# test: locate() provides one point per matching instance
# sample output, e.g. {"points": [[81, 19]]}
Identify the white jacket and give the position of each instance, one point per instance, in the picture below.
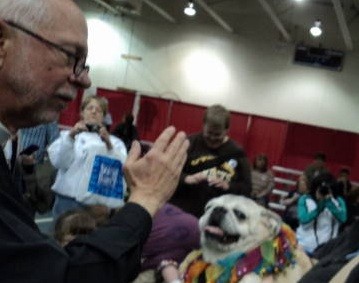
{"points": [[321, 221], [69, 156]]}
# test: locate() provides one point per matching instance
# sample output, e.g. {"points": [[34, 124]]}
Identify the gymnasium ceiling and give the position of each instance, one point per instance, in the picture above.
{"points": [[287, 21]]}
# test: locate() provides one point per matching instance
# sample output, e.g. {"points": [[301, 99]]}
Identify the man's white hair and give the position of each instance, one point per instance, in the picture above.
{"points": [[29, 13]]}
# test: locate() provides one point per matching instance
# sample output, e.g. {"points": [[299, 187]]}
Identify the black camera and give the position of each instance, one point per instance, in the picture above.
{"points": [[94, 128], [324, 189]]}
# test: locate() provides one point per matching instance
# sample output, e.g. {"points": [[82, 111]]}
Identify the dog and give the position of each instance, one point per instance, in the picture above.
{"points": [[244, 242]]}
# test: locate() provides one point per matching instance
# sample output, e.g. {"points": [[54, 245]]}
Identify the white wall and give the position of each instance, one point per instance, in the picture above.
{"points": [[206, 65]]}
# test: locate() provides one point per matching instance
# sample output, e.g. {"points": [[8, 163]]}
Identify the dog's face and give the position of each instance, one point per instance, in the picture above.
{"points": [[234, 223]]}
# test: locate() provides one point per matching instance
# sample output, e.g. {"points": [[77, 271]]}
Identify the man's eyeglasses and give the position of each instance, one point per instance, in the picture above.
{"points": [[78, 61]]}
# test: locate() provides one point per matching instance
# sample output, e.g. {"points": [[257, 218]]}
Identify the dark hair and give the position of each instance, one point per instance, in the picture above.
{"points": [[74, 222], [353, 195], [320, 156], [323, 182], [265, 165], [100, 213], [129, 119], [344, 171]]}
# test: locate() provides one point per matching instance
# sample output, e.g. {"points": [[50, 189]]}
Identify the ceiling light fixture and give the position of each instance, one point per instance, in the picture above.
{"points": [[316, 30], [189, 10]]}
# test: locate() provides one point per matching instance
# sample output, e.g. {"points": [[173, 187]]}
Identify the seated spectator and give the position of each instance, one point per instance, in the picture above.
{"points": [[176, 231], [42, 136], [291, 216], [89, 162], [262, 180], [352, 201], [174, 235], [320, 213], [34, 142], [344, 185], [316, 168], [71, 224]]}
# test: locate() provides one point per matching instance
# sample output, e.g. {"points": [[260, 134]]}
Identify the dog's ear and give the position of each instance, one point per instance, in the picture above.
{"points": [[272, 221]]}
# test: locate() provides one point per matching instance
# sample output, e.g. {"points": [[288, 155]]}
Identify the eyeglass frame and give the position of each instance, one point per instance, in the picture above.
{"points": [[80, 61]]}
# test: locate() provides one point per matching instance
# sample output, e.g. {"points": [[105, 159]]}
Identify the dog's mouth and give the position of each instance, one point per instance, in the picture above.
{"points": [[216, 233]]}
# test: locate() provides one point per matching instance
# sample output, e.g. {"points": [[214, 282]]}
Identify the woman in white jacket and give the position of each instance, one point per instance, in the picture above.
{"points": [[89, 162]]}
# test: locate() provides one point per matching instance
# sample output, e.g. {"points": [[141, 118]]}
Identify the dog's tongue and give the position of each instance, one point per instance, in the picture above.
{"points": [[214, 230]]}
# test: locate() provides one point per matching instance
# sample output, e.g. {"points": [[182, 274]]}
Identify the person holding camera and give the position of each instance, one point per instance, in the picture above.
{"points": [[320, 213], [89, 162]]}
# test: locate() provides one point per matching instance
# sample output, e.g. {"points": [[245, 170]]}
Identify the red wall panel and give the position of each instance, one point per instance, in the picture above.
{"points": [[304, 141], [355, 168], [187, 117], [153, 117], [238, 128], [71, 114], [120, 103], [266, 136]]}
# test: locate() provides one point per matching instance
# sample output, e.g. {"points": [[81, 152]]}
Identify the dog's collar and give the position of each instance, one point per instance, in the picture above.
{"points": [[270, 258]]}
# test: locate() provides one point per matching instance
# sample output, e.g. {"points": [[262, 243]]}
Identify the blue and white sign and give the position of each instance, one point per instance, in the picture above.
{"points": [[106, 177]]}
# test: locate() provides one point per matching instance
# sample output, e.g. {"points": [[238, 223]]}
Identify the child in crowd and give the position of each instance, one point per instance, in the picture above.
{"points": [[72, 224], [291, 216], [262, 180]]}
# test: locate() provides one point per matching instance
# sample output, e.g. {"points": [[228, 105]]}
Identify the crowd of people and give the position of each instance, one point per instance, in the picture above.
{"points": [[119, 211]]}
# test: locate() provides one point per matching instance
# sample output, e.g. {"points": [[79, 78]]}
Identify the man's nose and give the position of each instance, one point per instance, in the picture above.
{"points": [[81, 81]]}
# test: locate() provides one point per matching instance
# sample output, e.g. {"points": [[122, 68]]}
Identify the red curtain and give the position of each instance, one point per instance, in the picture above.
{"points": [[120, 103], [187, 117], [71, 114], [267, 136], [355, 169], [238, 128], [303, 141], [153, 117]]}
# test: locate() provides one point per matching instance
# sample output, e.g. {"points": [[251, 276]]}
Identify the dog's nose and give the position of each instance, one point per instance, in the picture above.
{"points": [[217, 215]]}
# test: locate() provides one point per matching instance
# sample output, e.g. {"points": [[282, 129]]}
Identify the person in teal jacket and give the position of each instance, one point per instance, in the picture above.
{"points": [[320, 213]]}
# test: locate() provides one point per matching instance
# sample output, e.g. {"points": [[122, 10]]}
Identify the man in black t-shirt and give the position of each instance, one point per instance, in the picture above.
{"points": [[216, 165]]}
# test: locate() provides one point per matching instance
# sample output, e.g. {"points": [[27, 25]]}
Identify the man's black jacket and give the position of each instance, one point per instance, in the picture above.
{"points": [[109, 254]]}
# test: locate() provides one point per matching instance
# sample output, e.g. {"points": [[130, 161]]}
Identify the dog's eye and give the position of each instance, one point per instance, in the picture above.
{"points": [[239, 214]]}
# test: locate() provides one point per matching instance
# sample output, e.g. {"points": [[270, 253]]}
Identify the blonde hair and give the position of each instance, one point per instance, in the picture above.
{"points": [[101, 101]]}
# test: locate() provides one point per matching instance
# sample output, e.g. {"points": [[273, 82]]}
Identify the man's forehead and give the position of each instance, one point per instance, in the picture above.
{"points": [[70, 36], [67, 23], [214, 128]]}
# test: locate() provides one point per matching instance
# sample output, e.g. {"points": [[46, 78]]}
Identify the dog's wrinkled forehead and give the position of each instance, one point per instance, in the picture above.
{"points": [[232, 202]]}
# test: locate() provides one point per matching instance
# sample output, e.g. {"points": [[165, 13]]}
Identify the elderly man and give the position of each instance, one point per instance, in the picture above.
{"points": [[43, 48], [216, 165]]}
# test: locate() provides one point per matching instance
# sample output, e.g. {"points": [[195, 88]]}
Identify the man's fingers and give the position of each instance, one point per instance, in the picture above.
{"points": [[181, 156], [134, 152], [176, 144], [164, 139]]}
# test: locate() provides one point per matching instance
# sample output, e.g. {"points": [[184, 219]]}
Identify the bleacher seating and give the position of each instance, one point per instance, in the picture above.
{"points": [[285, 182]]}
